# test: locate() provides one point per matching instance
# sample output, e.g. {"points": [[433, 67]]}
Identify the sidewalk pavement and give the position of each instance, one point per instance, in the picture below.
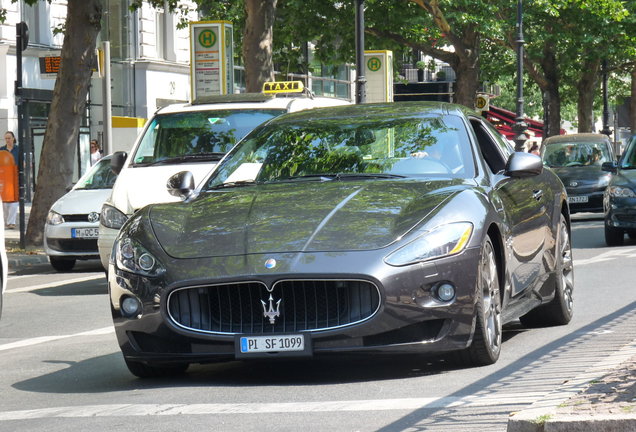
{"points": [[602, 399], [16, 256]]}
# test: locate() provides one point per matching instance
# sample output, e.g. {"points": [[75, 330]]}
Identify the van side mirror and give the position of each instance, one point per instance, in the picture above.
{"points": [[117, 161], [610, 167], [181, 185]]}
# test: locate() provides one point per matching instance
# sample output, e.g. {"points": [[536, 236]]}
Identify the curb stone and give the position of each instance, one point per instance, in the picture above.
{"points": [[544, 415]]}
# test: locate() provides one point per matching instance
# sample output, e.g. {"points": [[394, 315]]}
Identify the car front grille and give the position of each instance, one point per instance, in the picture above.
{"points": [[73, 245], [302, 305], [76, 218]]}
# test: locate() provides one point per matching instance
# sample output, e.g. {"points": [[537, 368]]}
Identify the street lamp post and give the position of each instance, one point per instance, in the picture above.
{"points": [[520, 125], [361, 80]]}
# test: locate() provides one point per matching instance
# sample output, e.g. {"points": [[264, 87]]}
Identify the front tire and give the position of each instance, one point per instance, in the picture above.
{"points": [[62, 264], [560, 310], [486, 345], [143, 370]]}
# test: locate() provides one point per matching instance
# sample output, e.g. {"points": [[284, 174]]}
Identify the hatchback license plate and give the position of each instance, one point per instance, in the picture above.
{"points": [[577, 199], [84, 232], [292, 343]]}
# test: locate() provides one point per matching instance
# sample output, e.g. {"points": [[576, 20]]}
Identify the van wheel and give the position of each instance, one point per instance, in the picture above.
{"points": [[62, 264]]}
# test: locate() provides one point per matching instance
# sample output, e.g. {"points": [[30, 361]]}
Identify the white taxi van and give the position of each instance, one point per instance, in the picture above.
{"points": [[191, 137]]}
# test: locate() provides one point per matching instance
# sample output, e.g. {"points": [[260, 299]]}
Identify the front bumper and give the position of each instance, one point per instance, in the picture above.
{"points": [[409, 318], [620, 212], [593, 201], [59, 241], [105, 243]]}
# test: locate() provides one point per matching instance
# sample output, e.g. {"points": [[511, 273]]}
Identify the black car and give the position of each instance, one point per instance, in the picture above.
{"points": [[376, 228], [619, 201], [577, 160]]}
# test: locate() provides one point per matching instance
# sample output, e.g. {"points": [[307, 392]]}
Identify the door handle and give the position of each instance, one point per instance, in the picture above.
{"points": [[537, 194]]}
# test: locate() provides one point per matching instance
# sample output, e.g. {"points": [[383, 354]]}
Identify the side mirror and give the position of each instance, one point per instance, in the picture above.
{"points": [[610, 167], [117, 161], [521, 164], [181, 185]]}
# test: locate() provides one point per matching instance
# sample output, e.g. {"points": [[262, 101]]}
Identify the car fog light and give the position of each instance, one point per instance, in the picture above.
{"points": [[130, 306], [146, 262], [445, 292]]}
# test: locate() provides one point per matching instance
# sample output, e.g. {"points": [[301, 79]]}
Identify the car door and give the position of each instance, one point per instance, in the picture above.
{"points": [[523, 204]]}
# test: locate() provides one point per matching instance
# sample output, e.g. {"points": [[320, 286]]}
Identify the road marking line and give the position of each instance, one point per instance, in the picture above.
{"points": [[54, 284], [43, 339], [135, 410], [625, 252]]}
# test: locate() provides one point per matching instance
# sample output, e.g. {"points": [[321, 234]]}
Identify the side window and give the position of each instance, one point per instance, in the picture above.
{"points": [[494, 149]]}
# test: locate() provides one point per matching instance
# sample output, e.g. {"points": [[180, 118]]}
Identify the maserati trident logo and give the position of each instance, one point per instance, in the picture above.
{"points": [[93, 217], [270, 312]]}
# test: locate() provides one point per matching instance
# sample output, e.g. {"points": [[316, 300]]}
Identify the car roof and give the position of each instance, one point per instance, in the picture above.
{"points": [[574, 138], [243, 101], [410, 109]]}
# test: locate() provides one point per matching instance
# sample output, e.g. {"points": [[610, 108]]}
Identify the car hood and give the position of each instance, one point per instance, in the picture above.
{"points": [[580, 174], [81, 201], [137, 187], [295, 217]]}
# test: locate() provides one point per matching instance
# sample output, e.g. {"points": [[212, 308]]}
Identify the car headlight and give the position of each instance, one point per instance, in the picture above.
{"points": [[110, 217], [54, 218], [442, 241], [132, 257], [620, 192]]}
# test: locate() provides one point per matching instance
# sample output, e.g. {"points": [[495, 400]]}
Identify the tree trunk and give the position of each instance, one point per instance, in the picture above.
{"points": [[550, 92], [257, 43], [467, 83], [586, 88], [632, 104], [83, 23]]}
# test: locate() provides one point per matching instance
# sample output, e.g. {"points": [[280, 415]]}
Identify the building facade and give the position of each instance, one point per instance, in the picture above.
{"points": [[149, 69]]}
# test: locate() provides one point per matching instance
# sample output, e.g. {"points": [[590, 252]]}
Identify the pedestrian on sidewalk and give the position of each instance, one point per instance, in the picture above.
{"points": [[96, 153], [11, 208]]}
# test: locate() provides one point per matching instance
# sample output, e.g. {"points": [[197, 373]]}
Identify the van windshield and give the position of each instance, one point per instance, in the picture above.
{"points": [[197, 135]]}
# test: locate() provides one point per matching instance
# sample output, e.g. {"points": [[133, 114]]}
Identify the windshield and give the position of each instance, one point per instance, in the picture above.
{"points": [[100, 176], [628, 161], [202, 135], [349, 148], [576, 154]]}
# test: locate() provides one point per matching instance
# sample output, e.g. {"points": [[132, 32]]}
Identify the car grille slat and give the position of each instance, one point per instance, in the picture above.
{"points": [[305, 305]]}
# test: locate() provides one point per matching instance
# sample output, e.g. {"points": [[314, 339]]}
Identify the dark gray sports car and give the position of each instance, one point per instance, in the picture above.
{"points": [[377, 228]]}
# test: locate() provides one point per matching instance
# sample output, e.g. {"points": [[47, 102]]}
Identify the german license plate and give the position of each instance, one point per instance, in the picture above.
{"points": [[577, 199], [84, 232], [290, 343]]}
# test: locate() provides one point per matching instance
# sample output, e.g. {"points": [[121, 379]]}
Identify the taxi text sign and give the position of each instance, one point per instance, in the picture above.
{"points": [[211, 54]]}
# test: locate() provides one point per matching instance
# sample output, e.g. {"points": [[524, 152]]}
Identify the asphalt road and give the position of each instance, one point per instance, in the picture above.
{"points": [[62, 369]]}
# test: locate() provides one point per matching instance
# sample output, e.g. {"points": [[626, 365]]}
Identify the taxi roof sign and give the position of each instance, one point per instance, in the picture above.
{"points": [[283, 87]]}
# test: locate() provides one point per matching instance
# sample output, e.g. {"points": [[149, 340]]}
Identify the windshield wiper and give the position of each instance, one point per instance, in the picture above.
{"points": [[355, 176], [239, 183], [338, 176], [201, 157]]}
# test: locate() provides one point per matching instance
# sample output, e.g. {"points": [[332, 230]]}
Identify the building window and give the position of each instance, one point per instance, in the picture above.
{"points": [[37, 18]]}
